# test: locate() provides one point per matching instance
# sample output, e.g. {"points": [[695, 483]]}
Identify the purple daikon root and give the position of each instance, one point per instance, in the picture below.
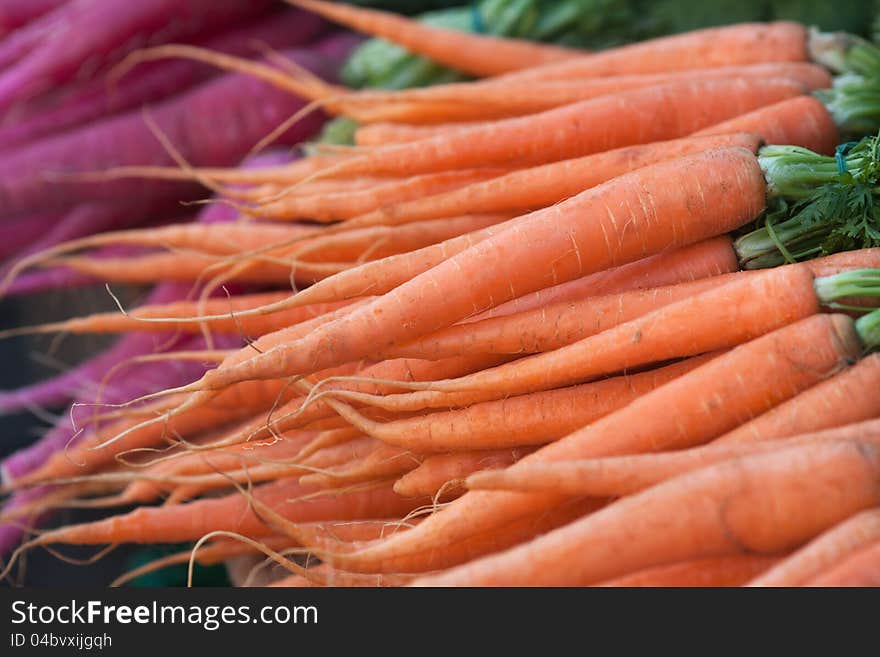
{"points": [[15, 13], [25, 233], [12, 534], [215, 124], [23, 40], [93, 31], [155, 81]]}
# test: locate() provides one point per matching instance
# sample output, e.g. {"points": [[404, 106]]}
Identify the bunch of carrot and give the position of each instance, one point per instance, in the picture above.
{"points": [[525, 351]]}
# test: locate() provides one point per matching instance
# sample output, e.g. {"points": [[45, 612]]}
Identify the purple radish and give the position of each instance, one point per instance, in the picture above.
{"points": [[96, 33], [337, 46], [24, 39], [11, 535], [23, 233], [215, 124], [157, 80], [15, 13]]}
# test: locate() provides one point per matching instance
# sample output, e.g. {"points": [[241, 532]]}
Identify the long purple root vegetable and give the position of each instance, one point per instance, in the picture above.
{"points": [[103, 30], [23, 40], [15, 13], [214, 124], [157, 80], [24, 232]]}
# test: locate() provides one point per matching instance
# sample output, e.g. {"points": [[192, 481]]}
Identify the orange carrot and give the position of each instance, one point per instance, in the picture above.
{"points": [[185, 522], [150, 481], [212, 411], [687, 411], [477, 54], [383, 462], [83, 457], [845, 260], [384, 134], [717, 511], [291, 173], [343, 205], [315, 189], [251, 325], [823, 553], [500, 98], [446, 472], [531, 419], [624, 475], [710, 257], [846, 398], [338, 458], [214, 239], [861, 569], [543, 248], [713, 571], [153, 267], [294, 413], [631, 117], [552, 326], [762, 121], [732, 45], [281, 265], [222, 472], [706, 258], [542, 186], [720, 317], [802, 121], [510, 534], [371, 278], [375, 242]]}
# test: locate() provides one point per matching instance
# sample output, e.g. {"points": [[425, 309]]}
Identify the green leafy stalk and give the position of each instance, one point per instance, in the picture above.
{"points": [[858, 283], [793, 173], [844, 53], [868, 328], [815, 208], [854, 102]]}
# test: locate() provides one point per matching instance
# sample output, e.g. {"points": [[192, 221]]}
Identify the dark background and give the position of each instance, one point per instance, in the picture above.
{"points": [[26, 360]]}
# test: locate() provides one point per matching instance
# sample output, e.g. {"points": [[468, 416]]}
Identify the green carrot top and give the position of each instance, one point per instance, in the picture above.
{"points": [[817, 204]]}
